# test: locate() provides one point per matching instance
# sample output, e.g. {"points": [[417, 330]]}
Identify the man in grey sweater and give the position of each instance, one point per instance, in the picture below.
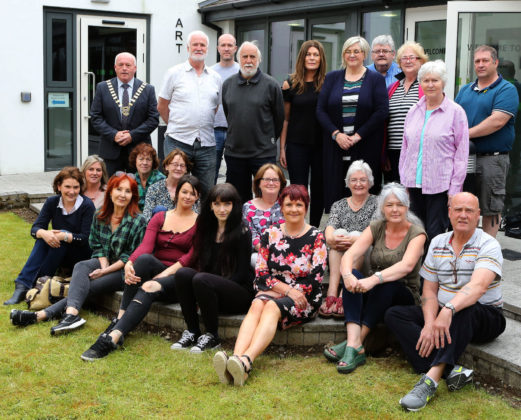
{"points": [[254, 108]]}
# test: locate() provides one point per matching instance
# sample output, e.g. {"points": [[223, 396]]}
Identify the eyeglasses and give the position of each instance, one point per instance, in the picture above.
{"points": [[454, 265], [273, 180], [381, 52], [130, 175], [358, 180], [353, 52], [178, 165], [411, 58]]}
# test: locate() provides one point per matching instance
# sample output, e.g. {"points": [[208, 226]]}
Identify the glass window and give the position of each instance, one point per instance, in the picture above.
{"points": [[503, 32], [431, 35], [286, 39], [254, 35], [59, 139], [59, 50], [385, 22], [332, 37]]}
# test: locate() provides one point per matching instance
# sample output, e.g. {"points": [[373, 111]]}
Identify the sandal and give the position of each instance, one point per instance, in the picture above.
{"points": [[351, 360], [327, 307], [238, 370], [335, 353], [220, 361], [338, 310]]}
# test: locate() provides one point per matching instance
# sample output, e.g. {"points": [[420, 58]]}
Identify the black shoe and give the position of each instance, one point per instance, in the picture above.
{"points": [[69, 322], [186, 341], [22, 318], [18, 295], [101, 348], [205, 342]]}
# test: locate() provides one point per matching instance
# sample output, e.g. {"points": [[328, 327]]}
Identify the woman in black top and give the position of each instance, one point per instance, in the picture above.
{"points": [[223, 279], [300, 140]]}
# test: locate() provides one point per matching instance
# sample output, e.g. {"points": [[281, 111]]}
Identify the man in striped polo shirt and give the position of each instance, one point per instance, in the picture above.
{"points": [[461, 303]]}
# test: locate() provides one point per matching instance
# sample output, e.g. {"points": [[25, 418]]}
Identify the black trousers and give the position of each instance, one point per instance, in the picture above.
{"points": [[393, 175], [432, 209], [136, 302], [477, 324], [121, 163], [213, 294]]}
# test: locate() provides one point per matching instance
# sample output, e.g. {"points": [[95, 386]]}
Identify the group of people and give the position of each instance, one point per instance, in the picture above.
{"points": [[180, 237]]}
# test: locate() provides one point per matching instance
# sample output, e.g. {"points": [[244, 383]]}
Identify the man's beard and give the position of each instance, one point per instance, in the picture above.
{"points": [[249, 72], [197, 57]]}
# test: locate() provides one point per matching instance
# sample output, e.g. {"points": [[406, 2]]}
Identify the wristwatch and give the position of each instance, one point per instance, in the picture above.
{"points": [[451, 307], [333, 136], [380, 277]]}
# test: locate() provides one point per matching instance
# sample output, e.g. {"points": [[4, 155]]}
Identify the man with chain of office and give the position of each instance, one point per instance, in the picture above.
{"points": [[124, 113]]}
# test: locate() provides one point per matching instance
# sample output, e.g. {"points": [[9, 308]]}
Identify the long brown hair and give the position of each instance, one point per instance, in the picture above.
{"points": [[297, 78], [108, 206]]}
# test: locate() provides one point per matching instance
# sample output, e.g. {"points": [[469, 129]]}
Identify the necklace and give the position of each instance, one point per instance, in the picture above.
{"points": [[294, 236], [354, 206]]}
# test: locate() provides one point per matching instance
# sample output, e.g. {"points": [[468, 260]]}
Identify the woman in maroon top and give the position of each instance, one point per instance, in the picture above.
{"points": [[150, 270]]}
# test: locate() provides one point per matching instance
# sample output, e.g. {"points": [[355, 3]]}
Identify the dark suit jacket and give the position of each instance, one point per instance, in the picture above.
{"points": [[371, 113], [106, 117]]}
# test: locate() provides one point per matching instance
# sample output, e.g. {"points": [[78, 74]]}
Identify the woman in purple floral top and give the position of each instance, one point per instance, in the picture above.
{"points": [[289, 272]]}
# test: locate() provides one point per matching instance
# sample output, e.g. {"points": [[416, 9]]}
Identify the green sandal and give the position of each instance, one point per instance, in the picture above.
{"points": [[352, 359], [336, 352]]}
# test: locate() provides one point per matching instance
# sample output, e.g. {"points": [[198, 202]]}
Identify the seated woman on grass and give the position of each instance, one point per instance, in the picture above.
{"points": [[116, 231], [150, 272], [289, 271], [222, 282], [397, 238], [67, 242]]}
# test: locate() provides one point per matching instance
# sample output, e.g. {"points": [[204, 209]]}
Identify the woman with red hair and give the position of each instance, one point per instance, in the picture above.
{"points": [[117, 229], [288, 281]]}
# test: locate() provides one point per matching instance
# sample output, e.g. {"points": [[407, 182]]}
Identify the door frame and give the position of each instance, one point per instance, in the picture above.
{"points": [[421, 14], [83, 21]]}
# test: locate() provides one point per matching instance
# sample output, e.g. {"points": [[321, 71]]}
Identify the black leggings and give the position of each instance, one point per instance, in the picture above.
{"points": [[214, 294], [136, 302]]}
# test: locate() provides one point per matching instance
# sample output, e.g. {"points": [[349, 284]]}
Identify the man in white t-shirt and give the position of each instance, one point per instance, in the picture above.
{"points": [[461, 303], [226, 67]]}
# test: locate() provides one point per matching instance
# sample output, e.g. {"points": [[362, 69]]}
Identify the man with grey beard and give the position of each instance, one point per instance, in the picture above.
{"points": [[254, 108]]}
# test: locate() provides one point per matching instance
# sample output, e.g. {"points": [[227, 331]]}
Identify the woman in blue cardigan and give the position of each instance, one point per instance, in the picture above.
{"points": [[67, 242], [352, 108]]}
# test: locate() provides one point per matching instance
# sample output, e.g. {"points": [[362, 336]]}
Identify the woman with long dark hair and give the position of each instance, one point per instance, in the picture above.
{"points": [[150, 272], [301, 137], [222, 280], [116, 232]]}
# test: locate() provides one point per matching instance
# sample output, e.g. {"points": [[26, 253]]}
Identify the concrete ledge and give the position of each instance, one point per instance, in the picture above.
{"points": [[15, 199]]}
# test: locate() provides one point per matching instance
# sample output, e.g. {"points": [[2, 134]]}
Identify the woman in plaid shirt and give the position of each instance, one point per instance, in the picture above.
{"points": [[117, 229]]}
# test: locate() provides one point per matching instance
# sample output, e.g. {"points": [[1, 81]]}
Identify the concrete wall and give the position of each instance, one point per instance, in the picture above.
{"points": [[21, 42]]}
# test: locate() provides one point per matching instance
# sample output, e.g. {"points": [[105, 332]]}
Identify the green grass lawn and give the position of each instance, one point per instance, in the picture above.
{"points": [[43, 376]]}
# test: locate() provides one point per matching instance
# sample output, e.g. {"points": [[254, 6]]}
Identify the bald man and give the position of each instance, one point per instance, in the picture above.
{"points": [[461, 303]]}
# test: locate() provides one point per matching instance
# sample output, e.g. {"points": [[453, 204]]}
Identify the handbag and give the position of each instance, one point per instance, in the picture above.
{"points": [[46, 291]]}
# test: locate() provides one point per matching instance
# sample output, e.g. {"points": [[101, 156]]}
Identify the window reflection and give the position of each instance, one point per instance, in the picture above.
{"points": [[332, 37], [431, 35], [286, 39], [254, 35], [384, 22], [59, 50]]}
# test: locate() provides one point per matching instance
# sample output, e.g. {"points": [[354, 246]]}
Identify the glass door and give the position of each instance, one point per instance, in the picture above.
{"points": [[332, 34], [427, 26], [100, 40]]}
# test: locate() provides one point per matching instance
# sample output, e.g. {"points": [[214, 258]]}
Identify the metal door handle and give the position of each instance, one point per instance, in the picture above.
{"points": [[89, 73]]}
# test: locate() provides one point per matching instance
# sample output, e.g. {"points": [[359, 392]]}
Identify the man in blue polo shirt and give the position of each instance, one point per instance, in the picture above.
{"points": [[382, 54], [491, 105]]}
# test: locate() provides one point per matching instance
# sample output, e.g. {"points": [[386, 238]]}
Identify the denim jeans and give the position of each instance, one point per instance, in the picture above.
{"points": [[240, 173], [202, 157], [44, 260], [220, 139]]}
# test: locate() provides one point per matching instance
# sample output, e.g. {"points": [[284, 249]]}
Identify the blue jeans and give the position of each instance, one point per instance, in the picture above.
{"points": [[202, 157], [240, 173], [44, 260], [220, 139], [369, 308]]}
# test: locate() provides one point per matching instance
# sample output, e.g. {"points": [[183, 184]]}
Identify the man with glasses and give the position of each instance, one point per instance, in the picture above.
{"points": [[461, 303], [382, 54], [123, 113], [491, 105]]}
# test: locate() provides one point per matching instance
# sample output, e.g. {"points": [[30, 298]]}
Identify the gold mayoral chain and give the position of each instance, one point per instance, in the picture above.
{"points": [[125, 110]]}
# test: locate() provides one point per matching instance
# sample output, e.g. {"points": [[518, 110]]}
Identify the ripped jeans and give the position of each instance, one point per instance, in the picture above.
{"points": [[136, 302]]}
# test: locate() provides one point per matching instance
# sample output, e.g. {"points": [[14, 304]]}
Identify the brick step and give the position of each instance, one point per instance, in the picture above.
{"points": [[500, 359]]}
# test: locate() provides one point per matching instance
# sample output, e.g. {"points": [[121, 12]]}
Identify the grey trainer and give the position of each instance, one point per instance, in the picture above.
{"points": [[459, 377], [420, 395]]}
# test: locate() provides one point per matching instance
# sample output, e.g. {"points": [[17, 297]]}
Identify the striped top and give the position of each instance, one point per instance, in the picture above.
{"points": [[453, 272], [350, 94], [399, 105]]}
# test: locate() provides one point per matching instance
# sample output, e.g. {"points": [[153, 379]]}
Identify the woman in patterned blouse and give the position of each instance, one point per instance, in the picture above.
{"points": [[117, 229], [289, 271], [264, 210], [347, 219], [144, 158]]}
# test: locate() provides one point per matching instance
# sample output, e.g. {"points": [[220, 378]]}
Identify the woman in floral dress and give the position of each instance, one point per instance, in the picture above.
{"points": [[289, 271]]}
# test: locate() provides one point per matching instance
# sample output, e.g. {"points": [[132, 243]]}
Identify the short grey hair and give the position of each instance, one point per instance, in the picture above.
{"points": [[364, 45], [125, 53], [251, 44], [436, 67], [360, 165], [400, 192], [200, 33], [383, 40]]}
